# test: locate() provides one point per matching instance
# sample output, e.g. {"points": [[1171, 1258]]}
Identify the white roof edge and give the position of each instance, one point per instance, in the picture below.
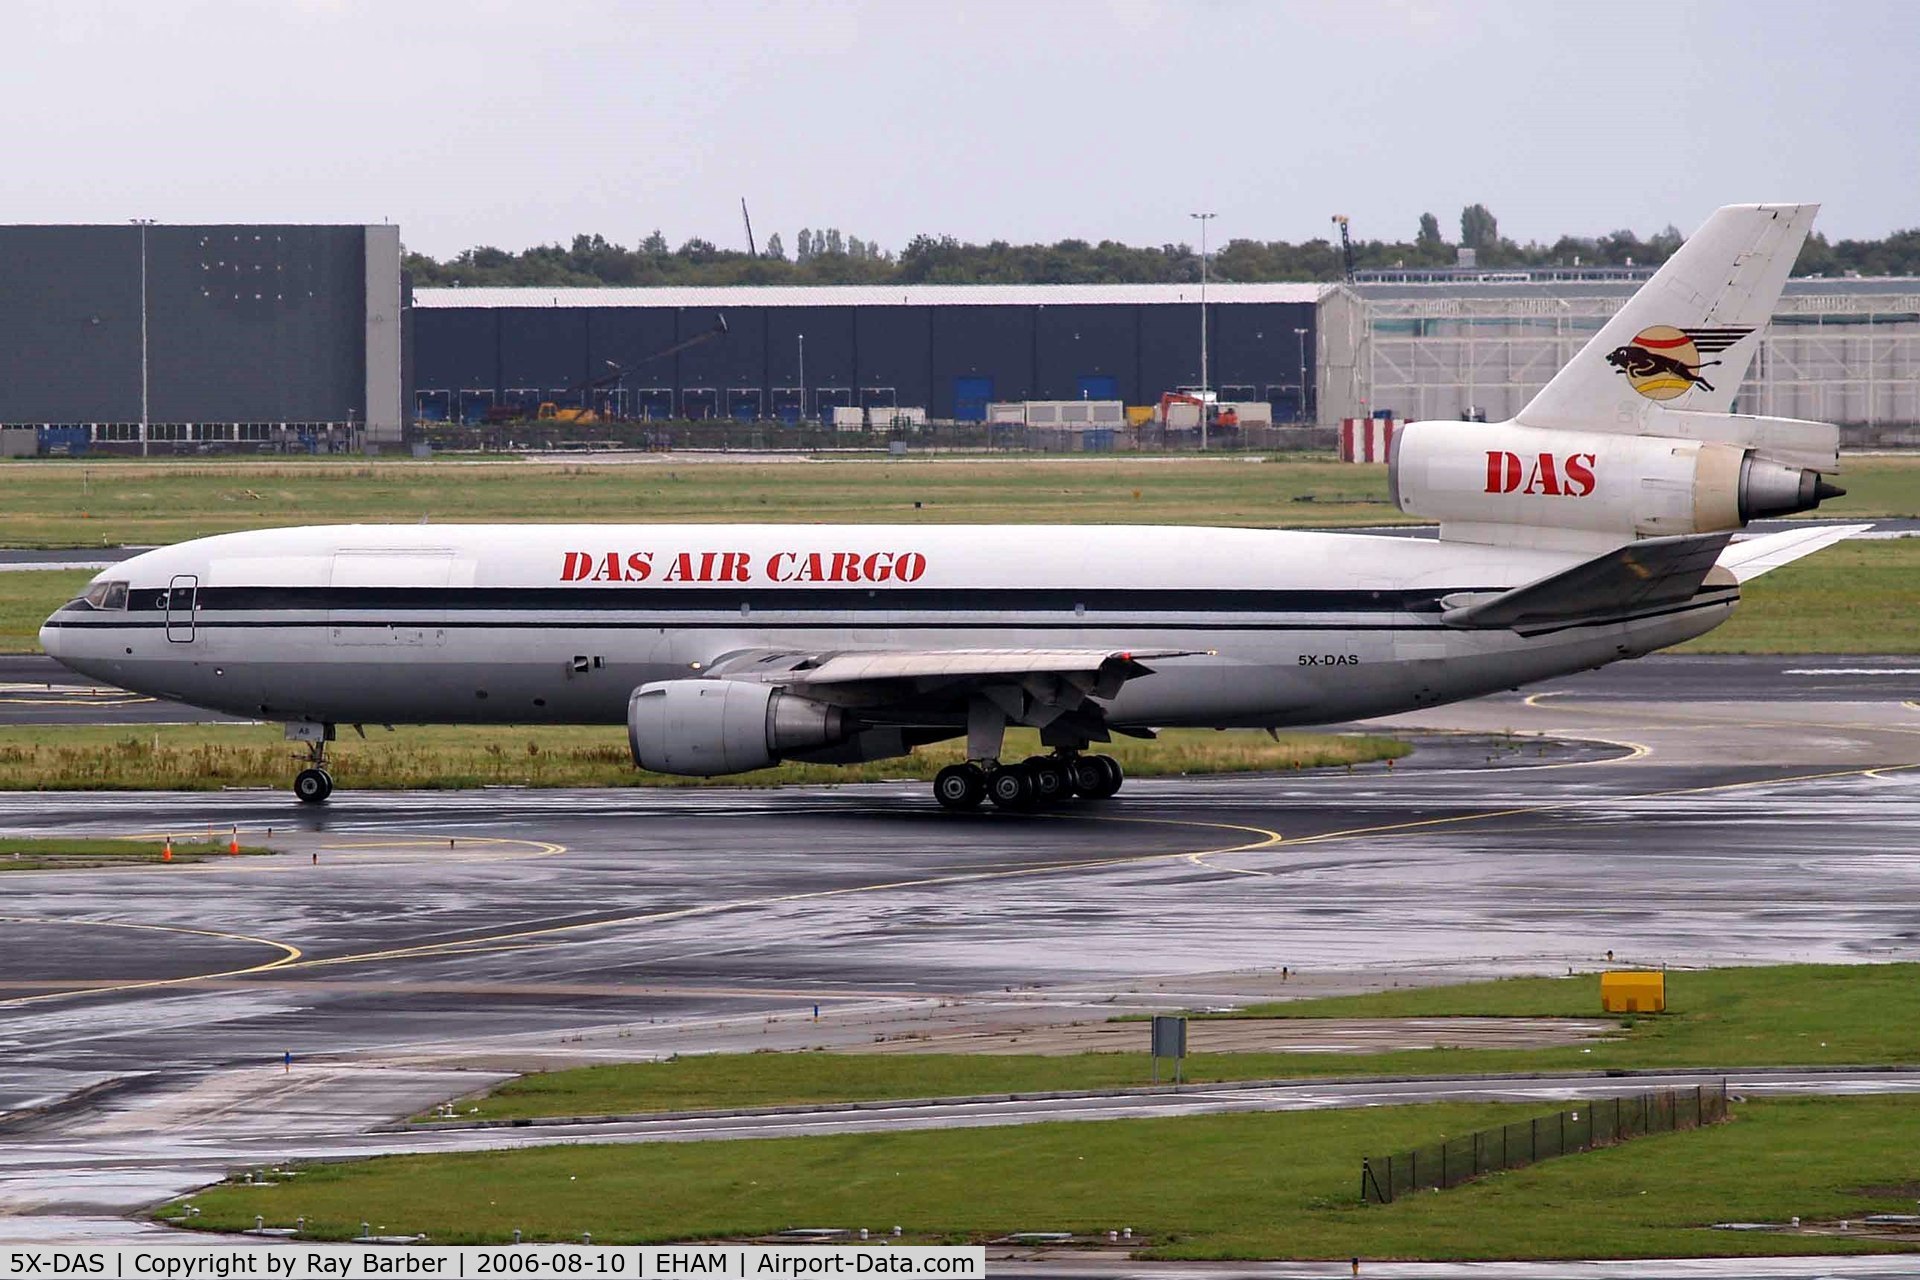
{"points": [[868, 295]]}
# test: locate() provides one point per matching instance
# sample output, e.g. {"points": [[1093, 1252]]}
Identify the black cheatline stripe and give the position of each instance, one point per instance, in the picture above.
{"points": [[725, 622], [880, 597]]}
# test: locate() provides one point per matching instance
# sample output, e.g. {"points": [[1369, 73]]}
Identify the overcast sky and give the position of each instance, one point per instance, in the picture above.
{"points": [[476, 122]]}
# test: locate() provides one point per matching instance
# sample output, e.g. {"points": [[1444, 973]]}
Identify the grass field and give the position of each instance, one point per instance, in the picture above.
{"points": [[1273, 1185], [1777, 1015], [30, 853], [90, 504], [1856, 597], [95, 504], [208, 757]]}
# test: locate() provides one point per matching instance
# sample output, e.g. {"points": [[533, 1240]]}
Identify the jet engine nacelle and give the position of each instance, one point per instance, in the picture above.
{"points": [[1481, 482], [708, 727]]}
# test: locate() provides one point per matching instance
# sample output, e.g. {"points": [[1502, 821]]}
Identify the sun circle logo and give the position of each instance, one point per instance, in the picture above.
{"points": [[1663, 362], [1660, 363]]}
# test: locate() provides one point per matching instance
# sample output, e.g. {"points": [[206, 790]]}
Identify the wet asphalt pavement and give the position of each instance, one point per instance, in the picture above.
{"points": [[410, 947]]}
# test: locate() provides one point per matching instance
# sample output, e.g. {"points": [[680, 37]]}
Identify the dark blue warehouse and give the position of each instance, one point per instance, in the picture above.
{"points": [[787, 353]]}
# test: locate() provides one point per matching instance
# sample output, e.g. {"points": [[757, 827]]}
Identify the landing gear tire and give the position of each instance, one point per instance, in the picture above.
{"points": [[960, 787], [1111, 776], [313, 786], [1051, 785], [1011, 788], [1089, 776]]}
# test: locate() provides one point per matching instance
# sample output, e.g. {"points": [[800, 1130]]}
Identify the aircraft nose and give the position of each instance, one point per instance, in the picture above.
{"points": [[50, 639]]}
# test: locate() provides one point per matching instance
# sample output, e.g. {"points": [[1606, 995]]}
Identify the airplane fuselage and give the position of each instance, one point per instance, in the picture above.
{"points": [[526, 624]]}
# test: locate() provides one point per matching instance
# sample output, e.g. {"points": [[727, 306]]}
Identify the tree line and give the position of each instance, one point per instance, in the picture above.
{"points": [[826, 256]]}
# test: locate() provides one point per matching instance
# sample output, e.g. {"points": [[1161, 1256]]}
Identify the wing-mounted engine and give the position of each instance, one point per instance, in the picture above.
{"points": [[1535, 486], [710, 727], [756, 707]]}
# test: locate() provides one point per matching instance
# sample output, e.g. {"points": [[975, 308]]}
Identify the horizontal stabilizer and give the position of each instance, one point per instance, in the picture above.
{"points": [[1751, 557], [1641, 575]]}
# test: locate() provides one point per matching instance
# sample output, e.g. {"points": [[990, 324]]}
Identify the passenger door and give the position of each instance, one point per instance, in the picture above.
{"points": [[182, 598]]}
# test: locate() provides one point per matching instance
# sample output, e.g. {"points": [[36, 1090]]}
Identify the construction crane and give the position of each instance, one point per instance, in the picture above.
{"points": [[1346, 243], [551, 411]]}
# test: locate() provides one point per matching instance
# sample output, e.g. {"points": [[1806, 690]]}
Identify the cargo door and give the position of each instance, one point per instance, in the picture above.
{"points": [[971, 395], [183, 597], [395, 598]]}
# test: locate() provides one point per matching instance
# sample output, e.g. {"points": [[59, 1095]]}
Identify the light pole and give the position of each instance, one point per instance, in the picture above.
{"points": [[803, 376], [143, 224], [1300, 415], [1203, 219], [619, 390]]}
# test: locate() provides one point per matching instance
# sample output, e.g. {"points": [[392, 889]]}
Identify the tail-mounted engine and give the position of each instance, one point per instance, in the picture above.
{"points": [[1508, 483]]}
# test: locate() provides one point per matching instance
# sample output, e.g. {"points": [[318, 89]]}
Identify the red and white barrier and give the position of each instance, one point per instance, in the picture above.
{"points": [[1367, 439]]}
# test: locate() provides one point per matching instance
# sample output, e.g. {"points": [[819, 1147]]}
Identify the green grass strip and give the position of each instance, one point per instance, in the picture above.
{"points": [[1273, 1185], [1781, 1015]]}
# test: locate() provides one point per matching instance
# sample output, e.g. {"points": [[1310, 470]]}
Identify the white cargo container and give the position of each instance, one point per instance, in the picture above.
{"points": [[1068, 415], [899, 415]]}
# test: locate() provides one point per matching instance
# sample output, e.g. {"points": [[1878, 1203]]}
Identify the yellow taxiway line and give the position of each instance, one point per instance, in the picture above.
{"points": [[289, 954], [1265, 839]]}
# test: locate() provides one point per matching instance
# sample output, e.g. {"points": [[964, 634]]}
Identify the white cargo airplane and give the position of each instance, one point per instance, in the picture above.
{"points": [[1594, 526]]}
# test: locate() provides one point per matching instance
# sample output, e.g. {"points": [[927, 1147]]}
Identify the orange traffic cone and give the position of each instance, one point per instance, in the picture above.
{"points": [[233, 845], [166, 850]]}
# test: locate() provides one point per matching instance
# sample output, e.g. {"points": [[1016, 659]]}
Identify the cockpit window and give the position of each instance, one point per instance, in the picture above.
{"points": [[107, 595]]}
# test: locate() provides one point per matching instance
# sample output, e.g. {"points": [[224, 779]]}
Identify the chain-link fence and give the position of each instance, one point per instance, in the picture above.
{"points": [[1600, 1123]]}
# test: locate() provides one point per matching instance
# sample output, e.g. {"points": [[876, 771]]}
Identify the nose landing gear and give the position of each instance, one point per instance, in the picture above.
{"points": [[313, 784]]}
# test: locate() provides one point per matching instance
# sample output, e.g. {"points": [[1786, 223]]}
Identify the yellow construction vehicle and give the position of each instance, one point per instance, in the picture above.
{"points": [[550, 412]]}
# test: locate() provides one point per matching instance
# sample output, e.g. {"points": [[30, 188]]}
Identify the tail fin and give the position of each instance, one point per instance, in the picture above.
{"points": [[1686, 338]]}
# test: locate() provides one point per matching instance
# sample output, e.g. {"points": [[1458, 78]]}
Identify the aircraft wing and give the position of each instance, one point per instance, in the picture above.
{"points": [[1751, 557], [921, 674], [1630, 579]]}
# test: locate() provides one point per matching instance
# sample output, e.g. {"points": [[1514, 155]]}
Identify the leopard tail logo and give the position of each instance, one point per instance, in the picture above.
{"points": [[1663, 362]]}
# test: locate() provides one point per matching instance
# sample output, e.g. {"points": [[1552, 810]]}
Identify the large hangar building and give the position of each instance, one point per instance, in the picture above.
{"points": [[1845, 351], [182, 336], [791, 353]]}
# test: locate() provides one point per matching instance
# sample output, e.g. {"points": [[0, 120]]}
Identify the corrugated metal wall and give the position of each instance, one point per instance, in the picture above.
{"points": [[245, 324], [931, 356]]}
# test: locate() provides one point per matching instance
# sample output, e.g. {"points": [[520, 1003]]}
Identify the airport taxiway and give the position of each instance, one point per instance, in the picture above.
{"points": [[411, 947]]}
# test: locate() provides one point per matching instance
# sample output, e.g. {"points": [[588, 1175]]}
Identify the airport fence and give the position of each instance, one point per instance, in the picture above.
{"points": [[1603, 1122]]}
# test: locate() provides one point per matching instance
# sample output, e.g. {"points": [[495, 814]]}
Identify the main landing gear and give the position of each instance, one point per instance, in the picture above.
{"points": [[1034, 783]]}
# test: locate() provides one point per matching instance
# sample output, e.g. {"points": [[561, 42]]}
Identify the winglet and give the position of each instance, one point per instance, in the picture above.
{"points": [[1750, 557]]}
